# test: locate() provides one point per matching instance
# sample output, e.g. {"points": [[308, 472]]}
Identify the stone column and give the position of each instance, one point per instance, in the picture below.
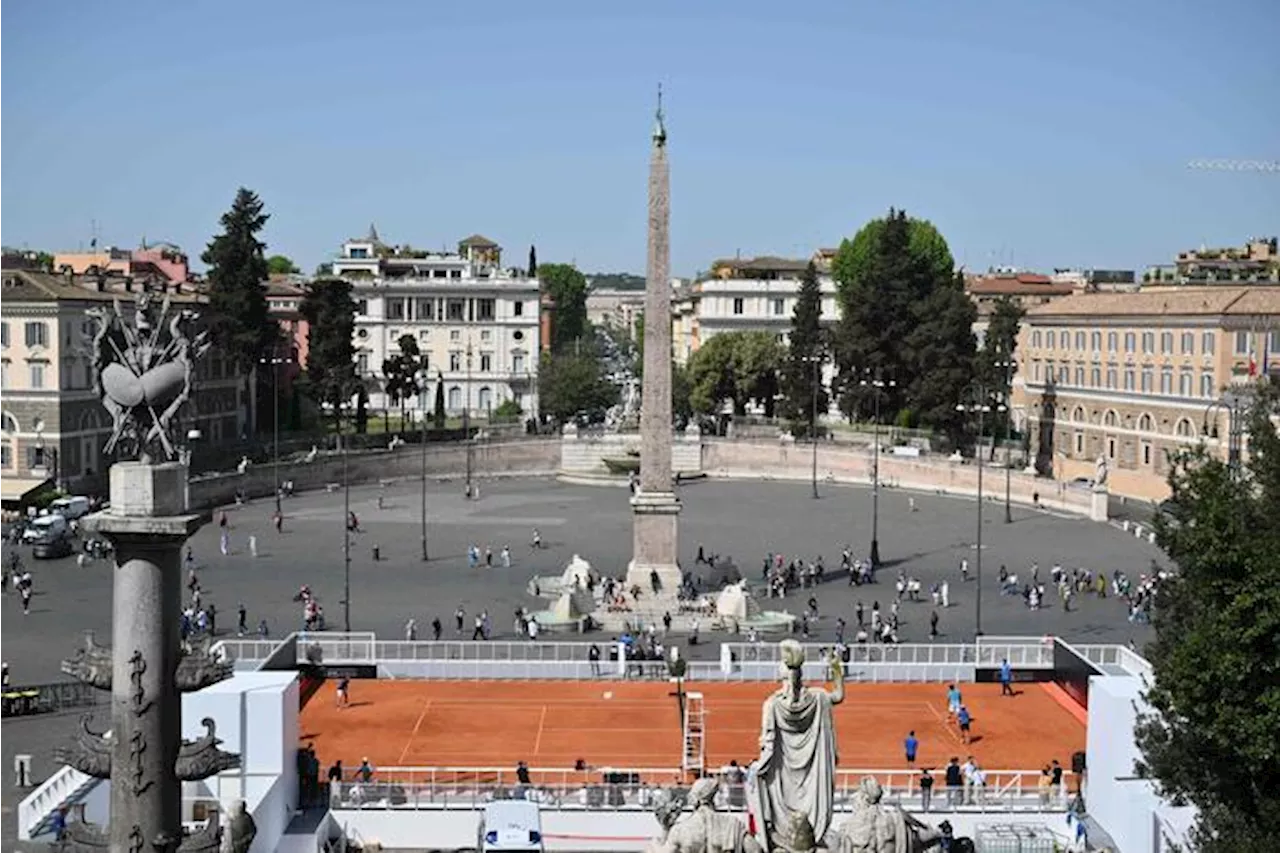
{"points": [[655, 505], [147, 525]]}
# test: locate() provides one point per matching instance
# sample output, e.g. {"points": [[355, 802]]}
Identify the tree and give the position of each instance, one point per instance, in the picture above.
{"points": [[331, 318], [942, 352], [572, 384], [568, 289], [1210, 738], [241, 326], [281, 265], [800, 379], [740, 367], [438, 415], [44, 261], [533, 262], [362, 409], [681, 405], [999, 348], [401, 372]]}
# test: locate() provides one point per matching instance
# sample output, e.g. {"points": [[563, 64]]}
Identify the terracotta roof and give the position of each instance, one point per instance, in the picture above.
{"points": [[764, 262], [479, 242], [1172, 301], [27, 286], [284, 286], [1023, 284]]}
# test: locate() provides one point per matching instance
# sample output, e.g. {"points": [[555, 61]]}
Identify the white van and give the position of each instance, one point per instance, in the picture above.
{"points": [[70, 508], [48, 526], [511, 825]]}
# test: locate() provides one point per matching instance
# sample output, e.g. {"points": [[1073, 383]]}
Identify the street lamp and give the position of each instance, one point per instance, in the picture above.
{"points": [[816, 360], [1008, 365], [980, 406], [466, 421], [275, 361], [878, 385], [346, 521], [423, 378]]}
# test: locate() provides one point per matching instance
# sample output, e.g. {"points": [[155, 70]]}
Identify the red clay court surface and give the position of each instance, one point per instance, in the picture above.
{"points": [[553, 723]]}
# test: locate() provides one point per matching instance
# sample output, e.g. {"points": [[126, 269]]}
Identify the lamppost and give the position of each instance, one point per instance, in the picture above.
{"points": [[346, 523], [466, 421], [878, 385], [815, 360], [1233, 405], [1008, 364], [275, 361], [423, 378], [980, 406]]}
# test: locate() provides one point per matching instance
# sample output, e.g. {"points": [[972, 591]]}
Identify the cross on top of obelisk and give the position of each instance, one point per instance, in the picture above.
{"points": [[659, 129]]}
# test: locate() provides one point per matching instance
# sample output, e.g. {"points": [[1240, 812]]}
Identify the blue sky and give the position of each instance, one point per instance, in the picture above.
{"points": [[1031, 132]]}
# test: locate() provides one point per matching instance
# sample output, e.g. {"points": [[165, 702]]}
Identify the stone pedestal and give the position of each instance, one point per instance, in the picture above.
{"points": [[655, 545], [1099, 504], [147, 526]]}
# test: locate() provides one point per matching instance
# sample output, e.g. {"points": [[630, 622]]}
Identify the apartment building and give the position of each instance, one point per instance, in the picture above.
{"points": [[1132, 377], [54, 426], [159, 261], [477, 323], [1257, 262], [1026, 289]]}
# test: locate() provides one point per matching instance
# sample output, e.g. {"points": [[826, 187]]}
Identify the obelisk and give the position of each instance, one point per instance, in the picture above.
{"points": [[655, 507]]}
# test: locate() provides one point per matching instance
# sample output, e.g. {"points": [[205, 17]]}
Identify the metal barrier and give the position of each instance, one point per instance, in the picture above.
{"points": [[1121, 657], [1021, 652], [337, 647], [246, 654], [44, 698], [637, 789]]}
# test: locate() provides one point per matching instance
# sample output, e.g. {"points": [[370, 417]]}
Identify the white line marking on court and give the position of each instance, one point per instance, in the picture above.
{"points": [[541, 722], [416, 726], [942, 721]]}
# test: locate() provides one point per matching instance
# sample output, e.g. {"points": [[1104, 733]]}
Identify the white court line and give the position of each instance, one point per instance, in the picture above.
{"points": [[416, 726], [541, 722], [942, 721]]}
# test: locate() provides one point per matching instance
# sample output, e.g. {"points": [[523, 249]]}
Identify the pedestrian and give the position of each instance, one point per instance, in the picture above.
{"points": [[488, 557], [278, 520], [506, 556], [459, 616], [593, 655], [910, 746], [964, 720], [436, 628], [1055, 772], [224, 542], [933, 625], [478, 633], [1006, 678], [253, 545], [926, 789], [263, 631], [343, 685], [946, 594], [242, 620], [953, 700], [954, 779], [411, 630], [964, 569], [858, 614], [537, 539]]}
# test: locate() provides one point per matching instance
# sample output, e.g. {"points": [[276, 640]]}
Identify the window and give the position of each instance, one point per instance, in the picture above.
{"points": [[4, 373], [1077, 414], [37, 375], [1113, 341], [455, 398], [1095, 340], [362, 363], [1079, 444], [362, 307], [1035, 338], [1035, 372], [1148, 342], [1080, 375], [6, 455], [517, 363], [4, 334], [1146, 453], [1145, 423], [486, 335], [1110, 419], [1188, 343], [395, 309], [358, 253], [737, 305], [37, 335], [425, 360], [1273, 342], [1095, 376], [517, 308], [486, 362], [1166, 343], [455, 335], [1184, 429], [1080, 340], [1051, 339], [1146, 380], [485, 398], [1128, 379], [455, 361], [1207, 343], [455, 310], [779, 307], [1111, 448], [1064, 375], [36, 455], [484, 309], [1111, 377], [425, 309], [1166, 381], [1185, 383], [1129, 341], [1242, 342], [1206, 384]]}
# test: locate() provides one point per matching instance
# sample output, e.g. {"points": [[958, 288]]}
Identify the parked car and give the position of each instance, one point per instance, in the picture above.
{"points": [[70, 508], [52, 547], [44, 527]]}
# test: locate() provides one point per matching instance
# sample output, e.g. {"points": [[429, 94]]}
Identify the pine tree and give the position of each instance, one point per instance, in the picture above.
{"points": [[533, 262], [438, 415], [330, 313], [801, 373], [942, 350], [240, 323]]}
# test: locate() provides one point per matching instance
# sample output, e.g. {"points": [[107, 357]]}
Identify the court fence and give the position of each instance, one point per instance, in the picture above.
{"points": [[607, 660], [640, 789]]}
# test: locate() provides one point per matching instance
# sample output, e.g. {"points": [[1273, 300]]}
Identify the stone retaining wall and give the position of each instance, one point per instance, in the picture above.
{"points": [[788, 461], [582, 454]]}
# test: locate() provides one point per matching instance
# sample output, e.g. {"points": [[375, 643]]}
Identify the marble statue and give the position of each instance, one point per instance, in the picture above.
{"points": [[143, 374], [877, 828], [1100, 471], [703, 831], [795, 772], [240, 831]]}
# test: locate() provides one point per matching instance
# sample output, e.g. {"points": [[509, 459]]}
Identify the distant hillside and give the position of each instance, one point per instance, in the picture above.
{"points": [[615, 281]]}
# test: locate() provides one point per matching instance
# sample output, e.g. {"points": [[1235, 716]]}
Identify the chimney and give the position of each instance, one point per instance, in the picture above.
{"points": [[164, 286], [128, 284], [101, 281], [177, 287]]}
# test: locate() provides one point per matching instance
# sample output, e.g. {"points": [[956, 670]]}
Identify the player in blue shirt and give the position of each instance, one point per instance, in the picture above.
{"points": [[964, 719], [1006, 678], [910, 745]]}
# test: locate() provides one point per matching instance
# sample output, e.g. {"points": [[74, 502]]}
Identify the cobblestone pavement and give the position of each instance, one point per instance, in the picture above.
{"points": [[739, 520]]}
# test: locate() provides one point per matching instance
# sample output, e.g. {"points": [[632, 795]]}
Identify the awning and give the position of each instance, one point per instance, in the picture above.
{"points": [[16, 489]]}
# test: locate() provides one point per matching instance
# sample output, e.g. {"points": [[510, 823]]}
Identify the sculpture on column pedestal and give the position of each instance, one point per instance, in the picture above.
{"points": [[705, 830], [144, 372]]}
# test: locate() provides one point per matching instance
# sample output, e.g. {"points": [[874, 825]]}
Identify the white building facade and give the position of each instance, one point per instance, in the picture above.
{"points": [[476, 323]]}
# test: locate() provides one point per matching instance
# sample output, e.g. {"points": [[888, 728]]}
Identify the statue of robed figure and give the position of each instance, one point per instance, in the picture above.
{"points": [[796, 771]]}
